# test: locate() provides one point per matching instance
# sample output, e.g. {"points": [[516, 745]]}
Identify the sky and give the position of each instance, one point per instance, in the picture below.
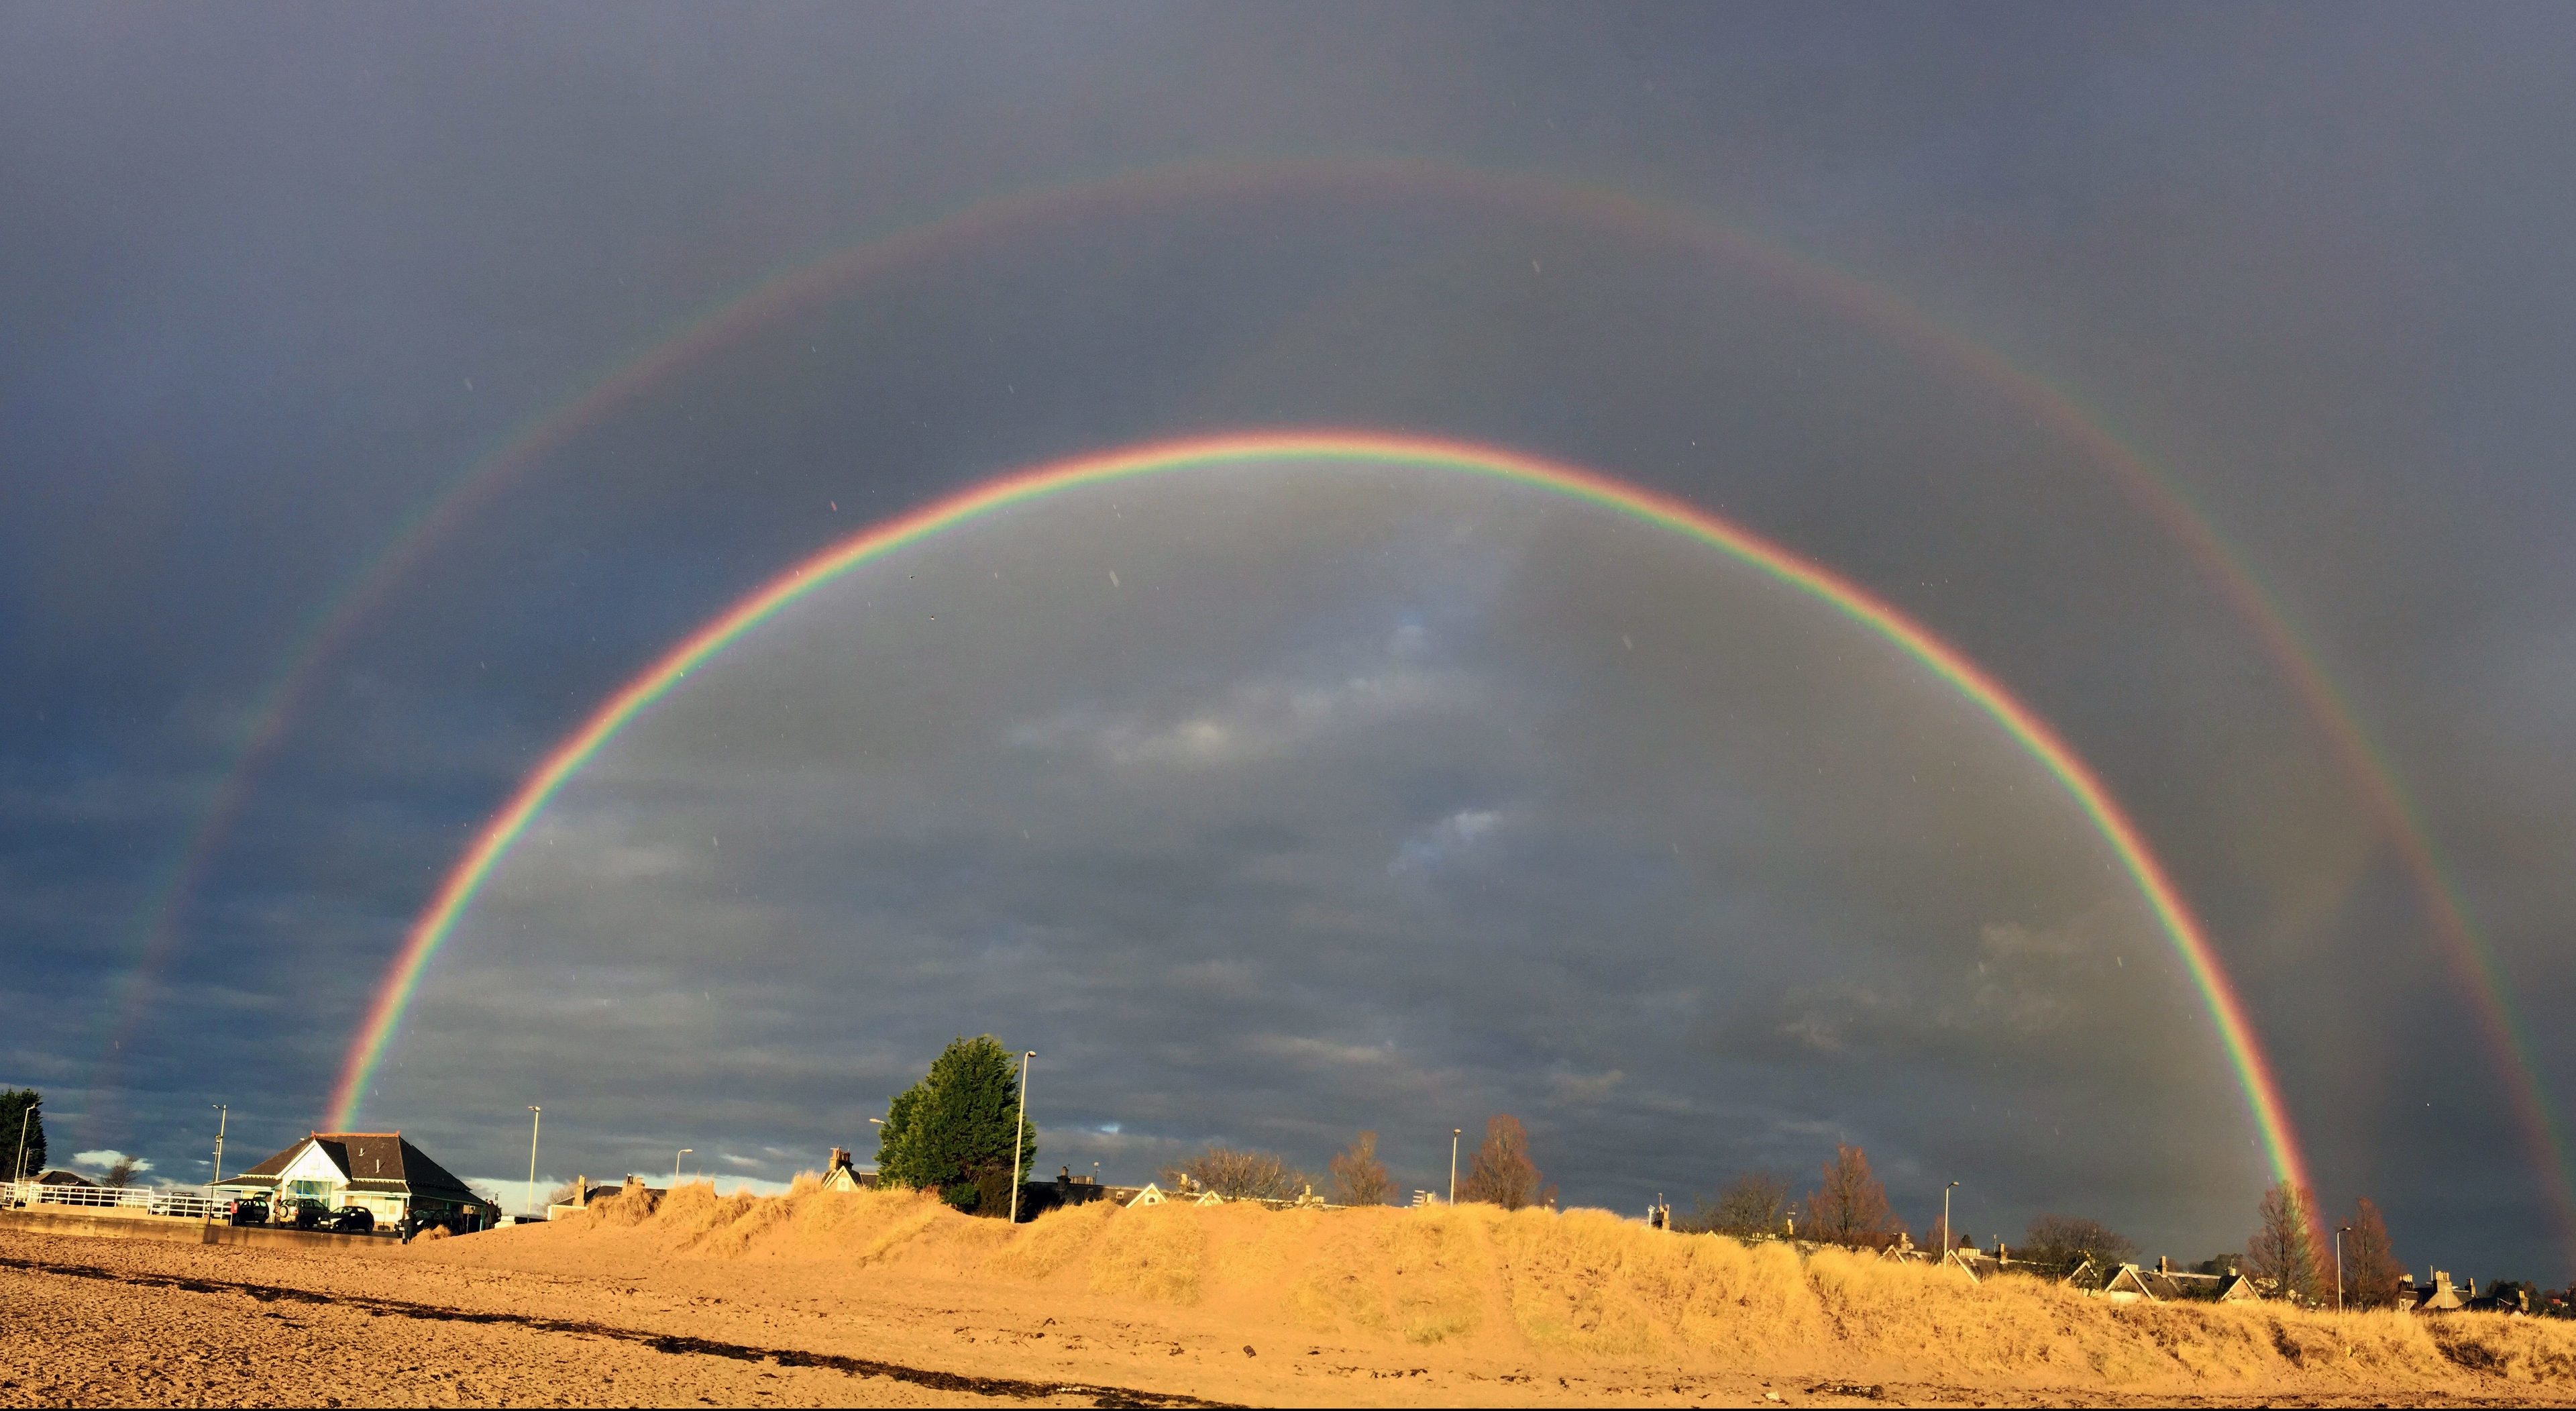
{"points": [[382, 390]]}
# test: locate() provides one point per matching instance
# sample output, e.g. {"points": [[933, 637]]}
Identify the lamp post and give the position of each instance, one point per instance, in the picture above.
{"points": [[223, 1114], [1019, 1133], [26, 1119], [536, 1119], [2340, 1232], [1947, 1242], [1454, 1134], [675, 1167]]}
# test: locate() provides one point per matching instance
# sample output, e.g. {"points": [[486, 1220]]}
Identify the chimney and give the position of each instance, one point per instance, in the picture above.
{"points": [[2163, 1265]]}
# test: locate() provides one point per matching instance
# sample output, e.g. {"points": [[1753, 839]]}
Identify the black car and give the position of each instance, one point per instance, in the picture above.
{"points": [[307, 1214], [413, 1224], [353, 1220], [253, 1211]]}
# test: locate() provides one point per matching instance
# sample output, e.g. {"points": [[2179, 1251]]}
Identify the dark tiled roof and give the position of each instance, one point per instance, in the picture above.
{"points": [[278, 1163], [369, 1161]]}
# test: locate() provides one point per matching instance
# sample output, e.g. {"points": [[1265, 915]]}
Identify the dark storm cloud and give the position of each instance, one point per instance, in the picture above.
{"points": [[273, 279], [1271, 805]]}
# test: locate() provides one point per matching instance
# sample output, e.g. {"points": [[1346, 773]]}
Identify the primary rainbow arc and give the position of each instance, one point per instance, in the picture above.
{"points": [[492, 842]]}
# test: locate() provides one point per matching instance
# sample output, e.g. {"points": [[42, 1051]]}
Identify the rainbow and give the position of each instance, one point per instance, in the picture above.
{"points": [[838, 270], [385, 1014]]}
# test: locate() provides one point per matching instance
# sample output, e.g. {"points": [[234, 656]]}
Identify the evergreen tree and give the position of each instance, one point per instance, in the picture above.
{"points": [[21, 1115], [951, 1132]]}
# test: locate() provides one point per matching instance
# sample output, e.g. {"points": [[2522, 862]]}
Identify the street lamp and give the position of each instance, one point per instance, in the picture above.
{"points": [[1454, 1134], [2340, 1232], [1019, 1134], [536, 1120], [223, 1115], [1947, 1242], [675, 1167], [26, 1119]]}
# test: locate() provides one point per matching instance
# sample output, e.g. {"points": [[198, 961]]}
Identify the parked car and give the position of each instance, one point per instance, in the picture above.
{"points": [[412, 1224], [249, 1211], [354, 1220], [308, 1213]]}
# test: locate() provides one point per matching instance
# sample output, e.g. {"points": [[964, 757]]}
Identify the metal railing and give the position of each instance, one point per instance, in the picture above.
{"points": [[181, 1202]]}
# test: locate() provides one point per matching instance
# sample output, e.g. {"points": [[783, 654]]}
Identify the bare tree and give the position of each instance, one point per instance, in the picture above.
{"points": [[1502, 1173], [121, 1174], [1755, 1203], [1359, 1178], [2070, 1240], [1240, 1175], [2283, 1251], [2370, 1268], [1850, 1207]]}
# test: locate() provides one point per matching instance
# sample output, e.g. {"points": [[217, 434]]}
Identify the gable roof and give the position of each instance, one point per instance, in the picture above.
{"points": [[2132, 1281], [369, 1161]]}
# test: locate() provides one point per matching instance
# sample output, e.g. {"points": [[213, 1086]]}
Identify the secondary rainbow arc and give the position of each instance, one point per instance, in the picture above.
{"points": [[1904, 324], [492, 842]]}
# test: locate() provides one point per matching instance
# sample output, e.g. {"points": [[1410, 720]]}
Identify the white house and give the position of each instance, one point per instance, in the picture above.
{"points": [[378, 1171]]}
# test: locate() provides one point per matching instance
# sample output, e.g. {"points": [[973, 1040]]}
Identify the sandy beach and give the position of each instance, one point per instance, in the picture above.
{"points": [[886, 1300]]}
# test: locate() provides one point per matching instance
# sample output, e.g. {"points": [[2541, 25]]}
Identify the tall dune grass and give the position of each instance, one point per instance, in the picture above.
{"points": [[1589, 1286]]}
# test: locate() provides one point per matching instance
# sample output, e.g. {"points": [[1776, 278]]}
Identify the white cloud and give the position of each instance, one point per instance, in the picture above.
{"points": [[1307, 1052], [1450, 840], [106, 1157], [1568, 1086], [1256, 719]]}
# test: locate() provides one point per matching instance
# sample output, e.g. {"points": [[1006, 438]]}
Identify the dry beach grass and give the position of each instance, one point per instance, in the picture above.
{"points": [[1229, 1303]]}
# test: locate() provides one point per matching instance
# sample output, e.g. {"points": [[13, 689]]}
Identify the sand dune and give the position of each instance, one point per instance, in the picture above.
{"points": [[819, 1298], [1475, 1288]]}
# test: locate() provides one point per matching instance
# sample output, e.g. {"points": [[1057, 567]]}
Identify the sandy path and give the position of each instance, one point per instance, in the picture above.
{"points": [[89, 1322]]}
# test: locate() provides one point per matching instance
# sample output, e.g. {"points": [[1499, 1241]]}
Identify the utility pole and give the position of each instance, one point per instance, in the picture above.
{"points": [[675, 1166], [534, 1123], [222, 1114], [1019, 1134], [2340, 1232], [1948, 1242], [1454, 1134]]}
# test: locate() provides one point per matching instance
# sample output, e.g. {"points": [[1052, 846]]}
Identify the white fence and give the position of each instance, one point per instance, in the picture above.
{"points": [[183, 1202]]}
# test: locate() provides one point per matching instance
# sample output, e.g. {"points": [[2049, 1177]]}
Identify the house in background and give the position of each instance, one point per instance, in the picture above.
{"points": [[2439, 1296], [584, 1194], [2167, 1284], [376, 1171], [840, 1175]]}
